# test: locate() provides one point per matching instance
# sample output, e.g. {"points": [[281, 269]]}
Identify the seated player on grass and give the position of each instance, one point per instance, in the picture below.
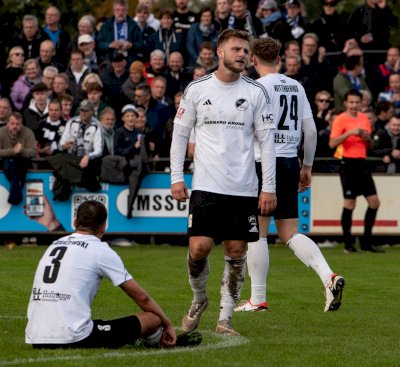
{"points": [[66, 282]]}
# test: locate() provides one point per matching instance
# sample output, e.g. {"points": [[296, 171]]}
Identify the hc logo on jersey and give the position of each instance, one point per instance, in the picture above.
{"points": [[269, 119], [242, 104]]}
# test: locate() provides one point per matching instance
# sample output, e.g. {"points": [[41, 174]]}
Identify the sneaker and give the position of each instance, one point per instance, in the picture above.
{"points": [[249, 307], [333, 293], [190, 339], [224, 327], [192, 318]]}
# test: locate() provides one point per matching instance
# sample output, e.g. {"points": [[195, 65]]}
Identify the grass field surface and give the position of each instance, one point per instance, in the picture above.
{"points": [[293, 332]]}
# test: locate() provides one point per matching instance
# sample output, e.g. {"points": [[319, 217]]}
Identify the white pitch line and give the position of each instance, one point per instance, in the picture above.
{"points": [[13, 317], [223, 342]]}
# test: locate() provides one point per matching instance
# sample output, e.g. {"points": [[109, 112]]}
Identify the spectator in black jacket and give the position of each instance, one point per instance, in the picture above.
{"points": [[30, 37], [387, 145]]}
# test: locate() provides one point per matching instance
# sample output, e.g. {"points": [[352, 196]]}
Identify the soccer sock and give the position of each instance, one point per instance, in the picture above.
{"points": [[347, 215], [258, 266], [310, 254], [198, 277], [369, 222], [153, 340], [231, 285]]}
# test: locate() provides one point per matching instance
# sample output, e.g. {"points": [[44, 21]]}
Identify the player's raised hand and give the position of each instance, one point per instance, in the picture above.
{"points": [[179, 191]]}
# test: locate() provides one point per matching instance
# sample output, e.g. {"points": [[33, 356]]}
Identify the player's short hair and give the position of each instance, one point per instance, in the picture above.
{"points": [[90, 216], [352, 92], [227, 34], [266, 49]]}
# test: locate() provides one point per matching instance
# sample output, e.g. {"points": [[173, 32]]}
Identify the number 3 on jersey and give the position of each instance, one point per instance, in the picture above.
{"points": [[51, 271], [293, 114]]}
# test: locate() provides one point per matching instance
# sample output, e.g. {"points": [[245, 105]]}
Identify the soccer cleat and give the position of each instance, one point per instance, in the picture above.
{"points": [[333, 293], [192, 318], [247, 306], [224, 327], [190, 339]]}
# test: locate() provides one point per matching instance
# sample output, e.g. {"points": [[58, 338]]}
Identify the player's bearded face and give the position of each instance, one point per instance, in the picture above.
{"points": [[235, 55], [236, 66]]}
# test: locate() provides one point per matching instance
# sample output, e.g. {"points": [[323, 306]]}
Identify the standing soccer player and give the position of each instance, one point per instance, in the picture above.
{"points": [[293, 117], [226, 111], [65, 285]]}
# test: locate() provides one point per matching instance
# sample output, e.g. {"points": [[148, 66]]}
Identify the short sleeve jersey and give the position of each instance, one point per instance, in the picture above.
{"points": [[353, 146], [224, 117], [290, 106], [65, 284]]}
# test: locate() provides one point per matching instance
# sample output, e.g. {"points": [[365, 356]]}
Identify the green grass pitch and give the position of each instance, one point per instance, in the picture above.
{"points": [[294, 332]]}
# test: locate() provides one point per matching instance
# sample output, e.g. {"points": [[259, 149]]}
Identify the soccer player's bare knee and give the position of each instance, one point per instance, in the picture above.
{"points": [[373, 202], [287, 228], [235, 249], [149, 322], [200, 247]]}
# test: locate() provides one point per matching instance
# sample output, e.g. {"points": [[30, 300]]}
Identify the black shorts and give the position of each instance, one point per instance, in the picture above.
{"points": [[356, 178], [106, 334], [287, 185], [223, 217]]}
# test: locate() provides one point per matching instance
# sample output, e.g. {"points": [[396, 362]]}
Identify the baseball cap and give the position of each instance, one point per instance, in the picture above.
{"points": [[330, 2], [269, 4], [129, 108], [293, 3], [117, 57], [40, 87], [86, 105], [85, 38]]}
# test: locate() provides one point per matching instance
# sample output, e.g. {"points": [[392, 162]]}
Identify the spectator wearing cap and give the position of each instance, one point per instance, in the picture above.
{"points": [[30, 37], [76, 71], [113, 81], [136, 76], [331, 28], [38, 107], [82, 146], [268, 12], [292, 25], [25, 83], [87, 45], [119, 33], [17, 147], [242, 19]]}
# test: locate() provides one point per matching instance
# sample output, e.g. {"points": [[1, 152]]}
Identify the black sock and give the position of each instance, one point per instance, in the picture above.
{"points": [[369, 222], [346, 221]]}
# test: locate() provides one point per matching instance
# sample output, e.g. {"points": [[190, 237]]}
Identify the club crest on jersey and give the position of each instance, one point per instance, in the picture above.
{"points": [[242, 104], [181, 112]]}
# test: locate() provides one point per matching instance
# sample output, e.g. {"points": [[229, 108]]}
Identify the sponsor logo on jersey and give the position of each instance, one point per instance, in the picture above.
{"points": [[282, 139], [51, 296], [207, 103], [181, 112], [286, 88], [242, 104]]}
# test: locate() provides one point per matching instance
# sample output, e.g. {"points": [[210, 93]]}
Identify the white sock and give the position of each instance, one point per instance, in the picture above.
{"points": [[258, 267], [310, 254], [231, 285], [153, 340], [198, 276]]}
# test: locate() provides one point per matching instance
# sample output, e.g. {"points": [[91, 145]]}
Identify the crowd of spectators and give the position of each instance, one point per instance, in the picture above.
{"points": [[72, 90]]}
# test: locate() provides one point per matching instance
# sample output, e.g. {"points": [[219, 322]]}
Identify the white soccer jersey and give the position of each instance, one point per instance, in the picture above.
{"points": [[225, 117], [290, 107], [66, 282]]}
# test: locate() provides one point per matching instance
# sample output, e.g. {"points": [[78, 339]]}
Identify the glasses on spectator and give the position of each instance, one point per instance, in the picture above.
{"points": [[324, 100], [19, 54]]}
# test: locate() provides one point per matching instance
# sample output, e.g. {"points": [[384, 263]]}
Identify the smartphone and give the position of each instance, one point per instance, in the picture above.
{"points": [[34, 198]]}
